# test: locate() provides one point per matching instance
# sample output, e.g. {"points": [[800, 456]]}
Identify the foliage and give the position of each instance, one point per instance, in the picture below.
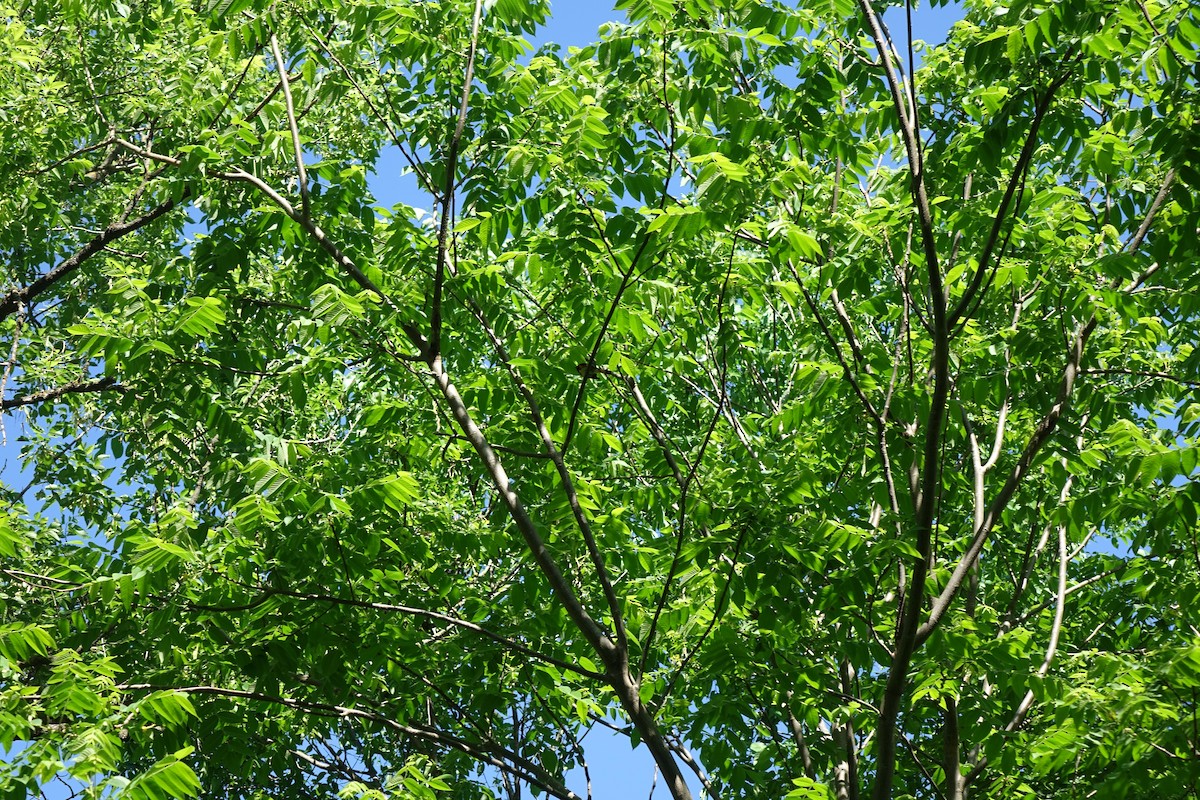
{"points": [[825, 440]]}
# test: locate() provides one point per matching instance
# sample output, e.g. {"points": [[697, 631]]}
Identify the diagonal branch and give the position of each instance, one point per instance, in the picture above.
{"points": [[562, 588], [371, 106], [912, 147], [1040, 436], [589, 366], [1016, 180], [297, 149], [75, 387], [310, 227], [614, 657], [439, 278], [1041, 433], [564, 474], [424, 613], [11, 301], [868, 406], [486, 752], [1051, 648]]}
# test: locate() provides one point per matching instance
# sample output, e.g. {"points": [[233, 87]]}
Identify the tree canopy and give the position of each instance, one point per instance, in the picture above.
{"points": [[824, 425]]}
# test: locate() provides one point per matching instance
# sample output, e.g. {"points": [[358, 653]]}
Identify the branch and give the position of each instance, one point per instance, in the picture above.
{"points": [[680, 528], [76, 387], [486, 752], [1072, 589], [319, 236], [1040, 436], [612, 309], [907, 638], [413, 611], [297, 149], [1044, 429], [1144, 228], [28, 578], [837, 351], [686, 757], [562, 588], [614, 655], [1016, 179], [439, 278], [912, 148], [11, 301], [1137, 373], [951, 753], [1051, 648], [798, 736], [716, 614], [380, 118], [564, 475]]}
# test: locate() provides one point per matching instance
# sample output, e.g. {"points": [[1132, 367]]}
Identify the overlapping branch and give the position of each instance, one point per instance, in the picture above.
{"points": [[486, 752]]}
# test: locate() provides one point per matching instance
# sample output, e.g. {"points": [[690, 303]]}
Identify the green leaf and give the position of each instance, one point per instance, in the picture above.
{"points": [[200, 316]]}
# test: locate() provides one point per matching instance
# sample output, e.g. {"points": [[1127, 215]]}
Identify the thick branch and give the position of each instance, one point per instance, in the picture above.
{"points": [[930, 476], [595, 636], [568, 483], [1040, 436], [951, 756], [76, 387], [11, 301]]}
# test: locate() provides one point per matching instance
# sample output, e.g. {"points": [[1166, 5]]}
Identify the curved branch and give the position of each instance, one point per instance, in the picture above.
{"points": [[485, 752], [425, 613], [76, 387], [297, 149]]}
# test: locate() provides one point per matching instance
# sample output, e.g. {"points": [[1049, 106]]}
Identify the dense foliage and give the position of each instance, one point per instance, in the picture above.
{"points": [[827, 428]]}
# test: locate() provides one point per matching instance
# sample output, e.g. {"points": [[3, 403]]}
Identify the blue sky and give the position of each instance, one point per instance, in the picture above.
{"points": [[616, 771]]}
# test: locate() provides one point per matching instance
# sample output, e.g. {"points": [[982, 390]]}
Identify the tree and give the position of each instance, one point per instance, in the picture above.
{"points": [[826, 426]]}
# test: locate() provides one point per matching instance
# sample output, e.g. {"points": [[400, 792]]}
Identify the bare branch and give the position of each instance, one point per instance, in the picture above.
{"points": [[297, 149], [1144, 228], [929, 477], [1037, 439], [564, 475], [837, 351], [798, 737], [1140, 373], [912, 148], [379, 117]]}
